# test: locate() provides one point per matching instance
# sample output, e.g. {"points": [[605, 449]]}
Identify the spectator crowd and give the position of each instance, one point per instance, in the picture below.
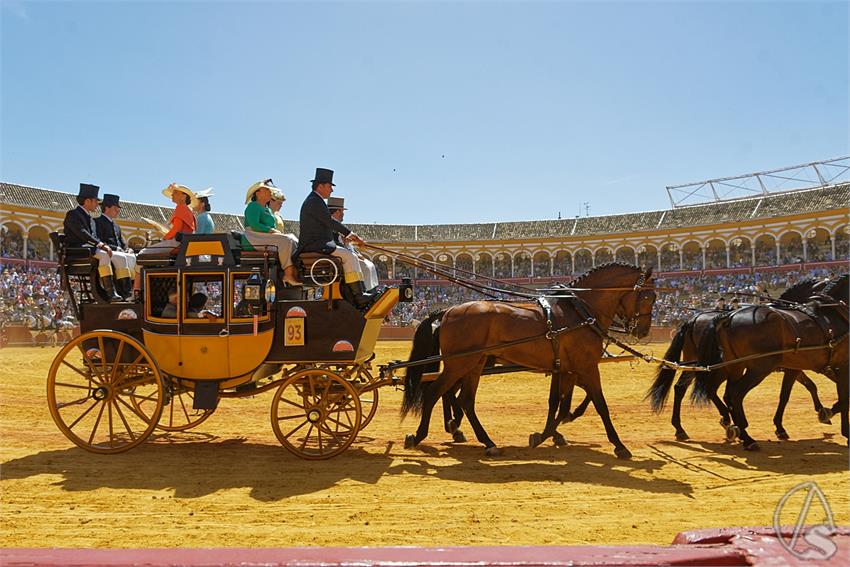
{"points": [[32, 297]]}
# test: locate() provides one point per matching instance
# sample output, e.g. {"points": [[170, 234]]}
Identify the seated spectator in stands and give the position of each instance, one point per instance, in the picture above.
{"points": [[204, 223]]}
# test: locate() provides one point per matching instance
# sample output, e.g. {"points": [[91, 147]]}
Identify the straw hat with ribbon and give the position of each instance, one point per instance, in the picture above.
{"points": [[267, 183], [277, 195], [169, 191]]}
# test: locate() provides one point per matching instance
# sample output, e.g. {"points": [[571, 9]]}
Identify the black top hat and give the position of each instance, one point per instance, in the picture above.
{"points": [[336, 203], [323, 176], [110, 200], [88, 191]]}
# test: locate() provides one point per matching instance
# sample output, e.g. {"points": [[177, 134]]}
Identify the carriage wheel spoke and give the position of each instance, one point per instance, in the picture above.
{"points": [[111, 431], [306, 438], [60, 405], [124, 420], [96, 423], [319, 434], [349, 427], [66, 385], [77, 370], [186, 413], [117, 364], [288, 435], [286, 417], [95, 375], [84, 414], [139, 413], [102, 354], [290, 402], [137, 382]]}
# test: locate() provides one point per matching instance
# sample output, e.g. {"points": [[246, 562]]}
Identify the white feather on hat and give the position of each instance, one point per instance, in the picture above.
{"points": [[208, 192]]}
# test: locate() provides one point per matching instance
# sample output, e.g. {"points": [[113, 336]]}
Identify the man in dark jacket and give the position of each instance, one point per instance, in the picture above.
{"points": [[80, 231], [317, 229], [123, 258]]}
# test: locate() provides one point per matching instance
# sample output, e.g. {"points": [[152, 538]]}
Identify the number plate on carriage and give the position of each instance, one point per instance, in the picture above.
{"points": [[294, 332]]}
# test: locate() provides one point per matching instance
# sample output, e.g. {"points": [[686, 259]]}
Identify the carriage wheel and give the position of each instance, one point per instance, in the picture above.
{"points": [[368, 400], [316, 414], [95, 385], [177, 412]]}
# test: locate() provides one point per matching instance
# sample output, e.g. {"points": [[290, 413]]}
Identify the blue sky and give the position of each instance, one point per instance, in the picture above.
{"points": [[429, 112]]}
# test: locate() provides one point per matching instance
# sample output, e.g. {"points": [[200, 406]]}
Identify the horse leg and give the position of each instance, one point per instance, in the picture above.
{"points": [[567, 387], [843, 387], [447, 380], [788, 378], [824, 414], [468, 403], [580, 409], [679, 390], [453, 416], [594, 390], [560, 397], [736, 390]]}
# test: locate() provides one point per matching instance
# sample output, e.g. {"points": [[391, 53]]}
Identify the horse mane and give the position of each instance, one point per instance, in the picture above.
{"points": [[592, 271], [798, 292], [835, 285]]}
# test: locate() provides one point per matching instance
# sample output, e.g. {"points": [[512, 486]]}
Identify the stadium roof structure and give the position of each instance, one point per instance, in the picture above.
{"points": [[804, 176], [829, 196]]}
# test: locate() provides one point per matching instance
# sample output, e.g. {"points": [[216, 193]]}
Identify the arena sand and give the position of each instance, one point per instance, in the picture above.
{"points": [[229, 483]]}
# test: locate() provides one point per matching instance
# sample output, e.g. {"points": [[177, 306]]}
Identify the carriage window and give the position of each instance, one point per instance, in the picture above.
{"points": [[162, 296], [240, 308], [203, 297]]}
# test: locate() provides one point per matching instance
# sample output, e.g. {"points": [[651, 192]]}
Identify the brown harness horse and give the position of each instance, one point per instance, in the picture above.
{"points": [[758, 340], [568, 343]]}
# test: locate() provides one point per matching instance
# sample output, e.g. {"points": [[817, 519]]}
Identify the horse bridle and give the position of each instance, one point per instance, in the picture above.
{"points": [[642, 293]]}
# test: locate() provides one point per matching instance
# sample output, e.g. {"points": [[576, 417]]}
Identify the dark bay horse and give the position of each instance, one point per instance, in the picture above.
{"points": [[685, 347], [811, 338], [472, 333]]}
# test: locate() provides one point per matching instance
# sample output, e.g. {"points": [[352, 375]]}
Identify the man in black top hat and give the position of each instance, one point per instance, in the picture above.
{"points": [[317, 229], [80, 231], [108, 231], [336, 205]]}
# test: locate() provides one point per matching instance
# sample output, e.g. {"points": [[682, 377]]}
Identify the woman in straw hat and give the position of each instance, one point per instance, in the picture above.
{"points": [[261, 228], [275, 204], [204, 223]]}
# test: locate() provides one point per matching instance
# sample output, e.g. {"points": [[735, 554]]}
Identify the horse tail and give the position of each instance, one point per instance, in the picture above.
{"points": [[708, 353], [426, 342], [660, 388]]}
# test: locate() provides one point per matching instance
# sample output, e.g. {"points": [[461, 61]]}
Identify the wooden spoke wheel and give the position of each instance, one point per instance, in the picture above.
{"points": [[316, 414], [359, 377], [177, 412], [95, 385]]}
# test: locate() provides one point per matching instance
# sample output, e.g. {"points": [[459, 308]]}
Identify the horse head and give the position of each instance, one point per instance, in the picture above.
{"points": [[634, 289]]}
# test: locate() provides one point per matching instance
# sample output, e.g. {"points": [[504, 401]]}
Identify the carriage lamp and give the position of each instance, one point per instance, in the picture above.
{"points": [[405, 291]]}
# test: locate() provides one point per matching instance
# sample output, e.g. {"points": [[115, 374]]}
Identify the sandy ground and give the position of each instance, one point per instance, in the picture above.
{"points": [[229, 483]]}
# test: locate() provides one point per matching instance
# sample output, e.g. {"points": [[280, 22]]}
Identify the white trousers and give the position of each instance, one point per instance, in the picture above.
{"points": [[125, 264], [370, 274], [285, 243], [350, 265]]}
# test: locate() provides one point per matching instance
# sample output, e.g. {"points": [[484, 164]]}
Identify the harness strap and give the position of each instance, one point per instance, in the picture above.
{"points": [[553, 338]]}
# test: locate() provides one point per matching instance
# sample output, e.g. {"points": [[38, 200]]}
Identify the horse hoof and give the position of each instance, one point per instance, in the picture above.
{"points": [[782, 434], [622, 453], [682, 436], [492, 451], [751, 446], [458, 436], [450, 426], [732, 432], [825, 416], [410, 442], [725, 422], [535, 439], [559, 440]]}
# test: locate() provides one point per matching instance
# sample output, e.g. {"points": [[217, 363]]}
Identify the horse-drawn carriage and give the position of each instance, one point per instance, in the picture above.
{"points": [[212, 324]]}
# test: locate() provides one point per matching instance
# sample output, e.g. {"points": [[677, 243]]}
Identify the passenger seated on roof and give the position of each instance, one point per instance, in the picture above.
{"points": [[196, 307], [260, 228]]}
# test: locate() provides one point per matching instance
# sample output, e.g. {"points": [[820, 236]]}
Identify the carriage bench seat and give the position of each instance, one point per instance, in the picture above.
{"points": [[76, 260], [321, 266], [160, 258]]}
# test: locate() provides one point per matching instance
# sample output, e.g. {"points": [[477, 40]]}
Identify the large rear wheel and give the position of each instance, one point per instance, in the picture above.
{"points": [[95, 385], [316, 414]]}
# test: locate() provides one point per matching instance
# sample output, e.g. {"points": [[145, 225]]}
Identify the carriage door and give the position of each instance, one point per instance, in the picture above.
{"points": [[203, 326]]}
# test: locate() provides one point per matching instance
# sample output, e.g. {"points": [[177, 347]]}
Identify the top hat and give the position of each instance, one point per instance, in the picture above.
{"points": [[88, 191], [267, 183], [169, 191], [110, 200], [323, 176], [335, 203]]}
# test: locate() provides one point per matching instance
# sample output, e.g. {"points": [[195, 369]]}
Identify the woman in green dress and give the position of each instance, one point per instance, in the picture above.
{"points": [[260, 228]]}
